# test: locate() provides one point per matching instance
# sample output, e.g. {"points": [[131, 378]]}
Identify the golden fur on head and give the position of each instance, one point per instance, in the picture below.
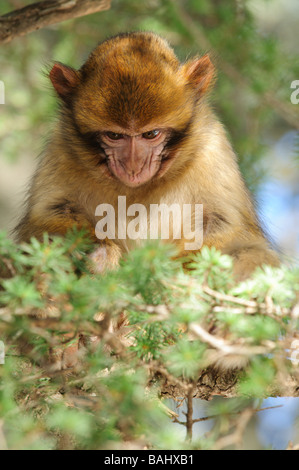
{"points": [[134, 81]]}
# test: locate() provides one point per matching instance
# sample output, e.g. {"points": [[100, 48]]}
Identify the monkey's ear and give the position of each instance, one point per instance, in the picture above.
{"points": [[200, 73], [64, 79]]}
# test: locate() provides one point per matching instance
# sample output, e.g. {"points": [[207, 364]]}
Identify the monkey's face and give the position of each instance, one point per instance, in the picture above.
{"points": [[132, 156], [134, 159]]}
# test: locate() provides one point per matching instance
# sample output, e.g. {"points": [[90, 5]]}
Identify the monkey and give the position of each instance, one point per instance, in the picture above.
{"points": [[137, 122]]}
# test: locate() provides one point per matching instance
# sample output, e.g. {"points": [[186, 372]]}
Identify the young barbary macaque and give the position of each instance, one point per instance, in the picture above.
{"points": [[136, 123]]}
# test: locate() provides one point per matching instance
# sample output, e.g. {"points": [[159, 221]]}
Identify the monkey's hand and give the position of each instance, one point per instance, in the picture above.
{"points": [[247, 257], [105, 257]]}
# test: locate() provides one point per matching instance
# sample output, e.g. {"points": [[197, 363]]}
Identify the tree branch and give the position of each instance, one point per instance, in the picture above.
{"points": [[216, 382], [42, 14]]}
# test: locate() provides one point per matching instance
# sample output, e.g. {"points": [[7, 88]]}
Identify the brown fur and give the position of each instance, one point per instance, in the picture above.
{"points": [[132, 83]]}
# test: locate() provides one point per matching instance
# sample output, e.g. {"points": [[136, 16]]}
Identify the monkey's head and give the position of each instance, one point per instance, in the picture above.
{"points": [[131, 105]]}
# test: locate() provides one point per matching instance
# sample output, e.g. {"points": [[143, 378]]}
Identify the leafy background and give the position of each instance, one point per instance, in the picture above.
{"points": [[253, 44]]}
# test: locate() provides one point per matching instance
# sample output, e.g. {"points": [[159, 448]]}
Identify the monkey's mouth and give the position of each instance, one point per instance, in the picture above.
{"points": [[134, 176]]}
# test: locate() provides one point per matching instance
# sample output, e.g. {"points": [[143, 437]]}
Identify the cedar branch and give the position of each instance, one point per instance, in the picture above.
{"points": [[41, 14]]}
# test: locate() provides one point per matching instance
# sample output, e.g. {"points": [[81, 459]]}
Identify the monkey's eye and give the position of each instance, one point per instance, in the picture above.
{"points": [[114, 135], [151, 134]]}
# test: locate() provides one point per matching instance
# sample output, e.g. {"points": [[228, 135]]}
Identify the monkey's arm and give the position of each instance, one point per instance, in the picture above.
{"points": [[56, 220], [237, 233], [62, 218], [249, 255]]}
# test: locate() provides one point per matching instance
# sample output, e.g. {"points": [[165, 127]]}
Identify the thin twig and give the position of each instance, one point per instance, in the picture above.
{"points": [[189, 414], [251, 306]]}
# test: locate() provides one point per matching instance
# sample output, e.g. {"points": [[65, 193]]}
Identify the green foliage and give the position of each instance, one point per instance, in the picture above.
{"points": [[212, 267], [184, 359], [260, 376], [49, 304]]}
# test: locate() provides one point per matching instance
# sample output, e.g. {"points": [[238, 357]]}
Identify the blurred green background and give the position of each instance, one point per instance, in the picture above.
{"points": [[255, 49]]}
